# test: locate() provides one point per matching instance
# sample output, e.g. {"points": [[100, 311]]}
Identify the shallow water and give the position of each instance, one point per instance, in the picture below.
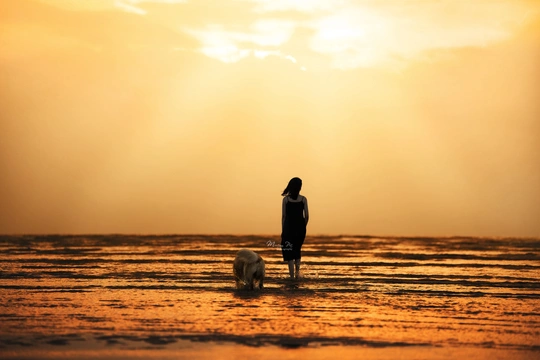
{"points": [[129, 292]]}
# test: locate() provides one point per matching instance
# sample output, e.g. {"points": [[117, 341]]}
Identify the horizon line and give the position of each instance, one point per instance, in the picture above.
{"points": [[499, 237]]}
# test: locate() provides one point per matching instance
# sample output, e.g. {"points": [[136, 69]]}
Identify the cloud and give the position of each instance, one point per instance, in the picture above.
{"points": [[337, 34], [26, 22], [309, 6], [262, 39], [353, 34], [392, 33], [131, 5], [129, 8]]}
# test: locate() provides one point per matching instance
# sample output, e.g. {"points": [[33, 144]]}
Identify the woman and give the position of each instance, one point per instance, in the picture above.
{"points": [[294, 219]]}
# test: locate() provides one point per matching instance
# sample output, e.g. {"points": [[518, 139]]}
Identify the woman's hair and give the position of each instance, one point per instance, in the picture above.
{"points": [[293, 188]]}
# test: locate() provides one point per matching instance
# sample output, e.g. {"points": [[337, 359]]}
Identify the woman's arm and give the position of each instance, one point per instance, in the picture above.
{"points": [[283, 211], [306, 210]]}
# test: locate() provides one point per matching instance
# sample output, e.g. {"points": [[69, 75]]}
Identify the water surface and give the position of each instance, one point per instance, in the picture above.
{"points": [[162, 292]]}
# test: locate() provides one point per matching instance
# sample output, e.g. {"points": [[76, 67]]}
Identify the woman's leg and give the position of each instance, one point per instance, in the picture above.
{"points": [[291, 268], [297, 265]]}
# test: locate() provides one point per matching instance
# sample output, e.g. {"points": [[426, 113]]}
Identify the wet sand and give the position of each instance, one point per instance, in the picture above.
{"points": [[173, 297]]}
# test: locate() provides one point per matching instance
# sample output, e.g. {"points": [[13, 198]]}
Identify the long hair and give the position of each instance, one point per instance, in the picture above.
{"points": [[293, 188]]}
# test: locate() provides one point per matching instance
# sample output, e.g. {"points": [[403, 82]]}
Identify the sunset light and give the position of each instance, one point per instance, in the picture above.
{"points": [[417, 117], [269, 179]]}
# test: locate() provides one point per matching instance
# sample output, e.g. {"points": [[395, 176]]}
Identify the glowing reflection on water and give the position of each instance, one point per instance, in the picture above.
{"points": [[454, 292]]}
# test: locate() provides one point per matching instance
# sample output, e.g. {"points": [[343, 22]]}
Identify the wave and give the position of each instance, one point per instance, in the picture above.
{"points": [[356, 290]]}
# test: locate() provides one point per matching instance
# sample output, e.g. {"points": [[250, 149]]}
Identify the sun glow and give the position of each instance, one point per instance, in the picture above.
{"points": [[343, 34], [416, 117]]}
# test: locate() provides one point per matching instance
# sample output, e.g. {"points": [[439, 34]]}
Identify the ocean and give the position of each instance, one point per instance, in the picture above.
{"points": [[173, 296]]}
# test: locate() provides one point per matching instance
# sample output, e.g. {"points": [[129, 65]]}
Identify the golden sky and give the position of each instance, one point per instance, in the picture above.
{"points": [[417, 117]]}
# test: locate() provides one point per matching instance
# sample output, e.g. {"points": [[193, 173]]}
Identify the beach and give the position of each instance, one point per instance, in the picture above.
{"points": [[173, 296]]}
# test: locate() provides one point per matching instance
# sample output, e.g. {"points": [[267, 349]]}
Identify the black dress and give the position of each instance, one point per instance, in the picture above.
{"points": [[294, 230]]}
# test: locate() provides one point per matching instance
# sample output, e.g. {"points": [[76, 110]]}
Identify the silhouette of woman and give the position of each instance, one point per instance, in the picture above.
{"points": [[294, 219]]}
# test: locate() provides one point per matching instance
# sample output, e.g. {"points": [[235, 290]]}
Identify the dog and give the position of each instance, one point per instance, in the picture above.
{"points": [[248, 270]]}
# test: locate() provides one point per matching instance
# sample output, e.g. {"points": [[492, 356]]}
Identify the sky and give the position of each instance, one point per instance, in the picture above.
{"points": [[413, 118]]}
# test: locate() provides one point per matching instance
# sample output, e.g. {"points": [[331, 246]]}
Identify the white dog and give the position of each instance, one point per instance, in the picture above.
{"points": [[248, 269]]}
